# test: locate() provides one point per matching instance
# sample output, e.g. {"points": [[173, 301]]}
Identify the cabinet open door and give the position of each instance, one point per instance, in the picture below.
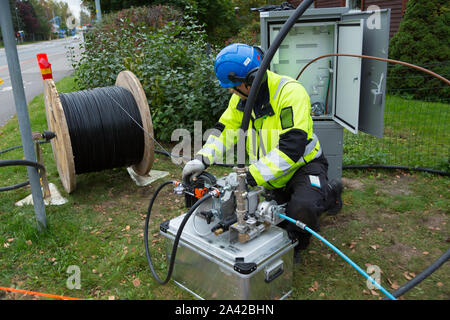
{"points": [[348, 75], [374, 72]]}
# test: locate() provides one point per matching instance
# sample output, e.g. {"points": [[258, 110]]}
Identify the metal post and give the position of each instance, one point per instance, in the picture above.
{"points": [[98, 11], [22, 110]]}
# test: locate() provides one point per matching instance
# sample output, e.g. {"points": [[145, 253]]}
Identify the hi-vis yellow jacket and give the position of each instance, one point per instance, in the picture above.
{"points": [[280, 138]]}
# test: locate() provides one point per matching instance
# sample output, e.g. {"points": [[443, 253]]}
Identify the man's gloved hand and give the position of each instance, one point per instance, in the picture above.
{"points": [[193, 168]]}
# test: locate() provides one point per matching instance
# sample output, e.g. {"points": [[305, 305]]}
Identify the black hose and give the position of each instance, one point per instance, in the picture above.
{"points": [[380, 166], [427, 272], [20, 146], [19, 162], [16, 186], [10, 149], [263, 68], [177, 237]]}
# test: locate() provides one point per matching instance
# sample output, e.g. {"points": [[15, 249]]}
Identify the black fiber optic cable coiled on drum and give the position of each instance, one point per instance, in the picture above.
{"points": [[102, 133]]}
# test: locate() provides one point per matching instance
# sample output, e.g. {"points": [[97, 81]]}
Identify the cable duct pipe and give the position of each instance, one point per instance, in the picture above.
{"points": [[260, 74], [176, 239], [423, 275]]}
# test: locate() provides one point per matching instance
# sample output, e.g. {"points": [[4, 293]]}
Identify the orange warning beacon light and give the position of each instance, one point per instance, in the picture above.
{"points": [[45, 66]]}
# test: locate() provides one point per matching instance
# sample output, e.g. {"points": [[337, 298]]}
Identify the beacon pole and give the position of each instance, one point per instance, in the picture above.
{"points": [[22, 110], [44, 66]]}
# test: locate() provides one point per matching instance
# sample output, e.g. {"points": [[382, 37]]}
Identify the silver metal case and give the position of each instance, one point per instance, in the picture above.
{"points": [[210, 267]]}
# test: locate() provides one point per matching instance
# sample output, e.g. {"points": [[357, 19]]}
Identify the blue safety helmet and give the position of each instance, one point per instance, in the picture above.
{"points": [[237, 63]]}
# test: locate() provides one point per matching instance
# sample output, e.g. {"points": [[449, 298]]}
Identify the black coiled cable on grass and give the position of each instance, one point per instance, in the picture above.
{"points": [[103, 135], [423, 275], [19, 162]]}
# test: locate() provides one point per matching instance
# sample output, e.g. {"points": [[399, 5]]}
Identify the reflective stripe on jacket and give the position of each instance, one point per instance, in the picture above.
{"points": [[280, 138]]}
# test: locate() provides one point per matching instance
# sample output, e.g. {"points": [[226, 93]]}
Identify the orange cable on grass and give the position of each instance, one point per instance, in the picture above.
{"points": [[39, 294]]}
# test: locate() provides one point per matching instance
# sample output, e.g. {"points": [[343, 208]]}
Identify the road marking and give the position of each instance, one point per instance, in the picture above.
{"points": [[22, 62], [33, 59]]}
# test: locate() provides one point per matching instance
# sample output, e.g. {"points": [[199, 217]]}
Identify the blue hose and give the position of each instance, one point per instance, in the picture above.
{"points": [[354, 265]]}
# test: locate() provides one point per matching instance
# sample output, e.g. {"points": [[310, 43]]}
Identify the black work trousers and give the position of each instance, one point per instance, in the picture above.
{"points": [[305, 199]]}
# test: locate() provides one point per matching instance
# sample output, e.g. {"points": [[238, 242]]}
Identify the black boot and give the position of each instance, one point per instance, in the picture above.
{"points": [[297, 255], [335, 197], [303, 242]]}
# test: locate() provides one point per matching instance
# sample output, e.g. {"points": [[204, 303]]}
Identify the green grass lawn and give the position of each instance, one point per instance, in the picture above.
{"points": [[393, 219], [415, 134]]}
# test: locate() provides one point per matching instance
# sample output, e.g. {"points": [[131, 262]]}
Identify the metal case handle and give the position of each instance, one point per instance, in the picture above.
{"points": [[273, 271]]}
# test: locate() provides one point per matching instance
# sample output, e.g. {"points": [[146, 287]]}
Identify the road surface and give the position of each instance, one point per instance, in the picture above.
{"points": [[57, 53]]}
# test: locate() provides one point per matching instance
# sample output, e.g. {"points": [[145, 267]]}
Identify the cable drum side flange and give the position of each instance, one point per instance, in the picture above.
{"points": [[126, 79], [61, 144]]}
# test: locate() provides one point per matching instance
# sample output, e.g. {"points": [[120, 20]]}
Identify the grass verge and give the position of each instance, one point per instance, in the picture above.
{"points": [[397, 221], [415, 134]]}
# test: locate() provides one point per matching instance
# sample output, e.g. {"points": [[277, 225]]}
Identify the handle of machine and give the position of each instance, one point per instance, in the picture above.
{"points": [[274, 275], [274, 271]]}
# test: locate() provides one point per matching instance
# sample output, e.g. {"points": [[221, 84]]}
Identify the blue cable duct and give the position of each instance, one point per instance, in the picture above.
{"points": [[354, 265]]}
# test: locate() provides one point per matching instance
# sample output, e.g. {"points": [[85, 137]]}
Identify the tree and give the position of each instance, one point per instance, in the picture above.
{"points": [[108, 6], [223, 25], [424, 32], [248, 21], [85, 18], [244, 13], [422, 39], [34, 16], [17, 20], [63, 11], [26, 12], [42, 17], [218, 16]]}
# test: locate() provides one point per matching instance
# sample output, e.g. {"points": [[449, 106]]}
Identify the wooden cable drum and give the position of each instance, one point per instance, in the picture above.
{"points": [[94, 126]]}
